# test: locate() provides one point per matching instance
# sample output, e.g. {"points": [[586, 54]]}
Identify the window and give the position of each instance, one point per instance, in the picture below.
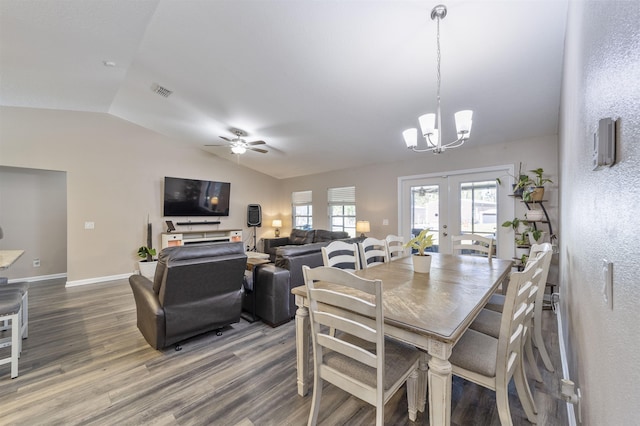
{"points": [[342, 209], [302, 210], [478, 207]]}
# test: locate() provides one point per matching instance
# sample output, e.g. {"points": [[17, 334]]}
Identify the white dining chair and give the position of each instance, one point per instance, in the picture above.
{"points": [[395, 247], [341, 255], [373, 252], [496, 303], [11, 311], [358, 358], [492, 362], [473, 244]]}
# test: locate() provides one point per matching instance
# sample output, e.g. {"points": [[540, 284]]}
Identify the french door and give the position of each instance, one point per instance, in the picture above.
{"points": [[461, 202]]}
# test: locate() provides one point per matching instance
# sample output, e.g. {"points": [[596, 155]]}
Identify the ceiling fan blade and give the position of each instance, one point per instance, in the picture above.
{"points": [[219, 144], [263, 151], [256, 143], [225, 138]]}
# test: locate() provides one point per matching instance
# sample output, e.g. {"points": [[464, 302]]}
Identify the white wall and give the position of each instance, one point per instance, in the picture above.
{"points": [[599, 209], [377, 186], [33, 216], [115, 171]]}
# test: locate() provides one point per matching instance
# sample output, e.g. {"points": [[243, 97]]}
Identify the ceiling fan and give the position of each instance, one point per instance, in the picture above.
{"points": [[239, 146]]}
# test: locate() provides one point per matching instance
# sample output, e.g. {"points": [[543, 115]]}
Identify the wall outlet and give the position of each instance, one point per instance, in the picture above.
{"points": [[36, 263], [385, 222]]}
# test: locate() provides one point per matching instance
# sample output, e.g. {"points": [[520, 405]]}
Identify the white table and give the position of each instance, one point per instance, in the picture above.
{"points": [[431, 311]]}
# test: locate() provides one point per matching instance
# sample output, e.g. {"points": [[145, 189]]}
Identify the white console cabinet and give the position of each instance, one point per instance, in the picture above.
{"points": [[183, 238]]}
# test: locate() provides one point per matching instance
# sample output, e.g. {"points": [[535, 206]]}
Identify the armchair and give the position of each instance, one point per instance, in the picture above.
{"points": [[195, 289]]}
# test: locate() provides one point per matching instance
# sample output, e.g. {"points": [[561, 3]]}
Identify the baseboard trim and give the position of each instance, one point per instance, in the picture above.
{"points": [[97, 280], [571, 414], [38, 278]]}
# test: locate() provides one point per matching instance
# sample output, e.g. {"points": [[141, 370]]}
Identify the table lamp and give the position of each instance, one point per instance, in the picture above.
{"points": [[277, 223], [362, 226]]}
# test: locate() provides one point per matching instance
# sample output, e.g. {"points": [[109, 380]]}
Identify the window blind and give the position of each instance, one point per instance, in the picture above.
{"points": [[301, 197], [344, 195]]}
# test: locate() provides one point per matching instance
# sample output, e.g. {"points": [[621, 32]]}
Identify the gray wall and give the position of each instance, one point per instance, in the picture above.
{"points": [[599, 209], [115, 173], [33, 216]]}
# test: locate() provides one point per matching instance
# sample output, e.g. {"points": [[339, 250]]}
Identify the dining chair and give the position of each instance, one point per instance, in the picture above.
{"points": [[395, 247], [341, 255], [492, 362], [473, 244], [373, 252], [489, 322], [22, 288], [358, 359], [11, 310], [496, 303]]}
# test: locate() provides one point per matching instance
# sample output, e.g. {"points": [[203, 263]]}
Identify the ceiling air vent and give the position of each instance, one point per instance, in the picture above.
{"points": [[162, 91]]}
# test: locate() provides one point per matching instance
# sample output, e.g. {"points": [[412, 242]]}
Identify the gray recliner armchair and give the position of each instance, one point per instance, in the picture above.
{"points": [[195, 289]]}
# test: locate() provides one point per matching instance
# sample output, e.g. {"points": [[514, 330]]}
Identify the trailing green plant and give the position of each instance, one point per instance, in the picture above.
{"points": [[535, 233], [515, 223], [521, 179], [421, 242], [146, 253]]}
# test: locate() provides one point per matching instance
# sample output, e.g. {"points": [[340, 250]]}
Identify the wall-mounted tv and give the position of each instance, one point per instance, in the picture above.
{"points": [[192, 197]]}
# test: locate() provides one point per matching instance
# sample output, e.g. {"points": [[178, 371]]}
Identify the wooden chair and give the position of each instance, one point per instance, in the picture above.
{"points": [[23, 289], [341, 255], [373, 252], [11, 310], [492, 362], [395, 247], [473, 244], [360, 360], [496, 303]]}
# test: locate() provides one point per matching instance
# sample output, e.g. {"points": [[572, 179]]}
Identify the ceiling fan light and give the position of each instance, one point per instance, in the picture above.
{"points": [[427, 123], [410, 137], [238, 149]]}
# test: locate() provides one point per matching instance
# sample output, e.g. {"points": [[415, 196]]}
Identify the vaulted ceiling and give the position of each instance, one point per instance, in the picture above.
{"points": [[327, 84]]}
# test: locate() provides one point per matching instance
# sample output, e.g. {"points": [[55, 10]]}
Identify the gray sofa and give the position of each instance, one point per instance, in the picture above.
{"points": [[195, 289], [299, 237], [274, 303]]}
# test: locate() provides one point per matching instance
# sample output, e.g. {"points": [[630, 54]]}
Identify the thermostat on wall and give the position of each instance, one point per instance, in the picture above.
{"points": [[604, 144]]}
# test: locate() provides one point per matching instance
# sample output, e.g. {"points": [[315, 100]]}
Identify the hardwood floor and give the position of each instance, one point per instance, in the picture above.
{"points": [[85, 362]]}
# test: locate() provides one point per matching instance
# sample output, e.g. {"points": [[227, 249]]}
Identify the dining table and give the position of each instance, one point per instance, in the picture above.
{"points": [[428, 310]]}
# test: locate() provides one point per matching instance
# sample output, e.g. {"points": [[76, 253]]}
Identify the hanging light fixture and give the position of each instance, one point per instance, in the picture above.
{"points": [[431, 133]]}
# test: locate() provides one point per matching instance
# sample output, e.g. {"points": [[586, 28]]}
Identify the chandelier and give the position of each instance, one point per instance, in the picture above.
{"points": [[430, 131]]}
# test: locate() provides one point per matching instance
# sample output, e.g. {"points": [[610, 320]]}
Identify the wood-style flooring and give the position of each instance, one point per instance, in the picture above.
{"points": [[85, 362]]}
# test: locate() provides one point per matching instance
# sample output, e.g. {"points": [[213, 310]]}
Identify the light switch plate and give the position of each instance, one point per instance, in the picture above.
{"points": [[607, 287], [89, 225]]}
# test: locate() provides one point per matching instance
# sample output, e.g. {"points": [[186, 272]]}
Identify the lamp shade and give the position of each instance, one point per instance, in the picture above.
{"points": [[238, 149], [463, 122], [363, 226], [410, 137], [427, 123], [276, 223]]}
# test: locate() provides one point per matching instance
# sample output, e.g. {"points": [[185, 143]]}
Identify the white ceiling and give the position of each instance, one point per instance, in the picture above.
{"points": [[327, 84]]}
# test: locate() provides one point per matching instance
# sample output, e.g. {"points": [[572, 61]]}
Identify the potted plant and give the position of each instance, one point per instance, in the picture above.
{"points": [[522, 180], [148, 265], [421, 260], [535, 189], [535, 235]]}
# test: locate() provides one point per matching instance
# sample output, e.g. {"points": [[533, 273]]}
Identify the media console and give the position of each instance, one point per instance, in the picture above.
{"points": [[183, 238]]}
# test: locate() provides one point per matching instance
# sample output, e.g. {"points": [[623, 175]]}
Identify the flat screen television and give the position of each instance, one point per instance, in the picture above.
{"points": [[193, 197]]}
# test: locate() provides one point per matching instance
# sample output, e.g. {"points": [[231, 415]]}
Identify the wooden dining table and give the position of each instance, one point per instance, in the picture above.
{"points": [[431, 311]]}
